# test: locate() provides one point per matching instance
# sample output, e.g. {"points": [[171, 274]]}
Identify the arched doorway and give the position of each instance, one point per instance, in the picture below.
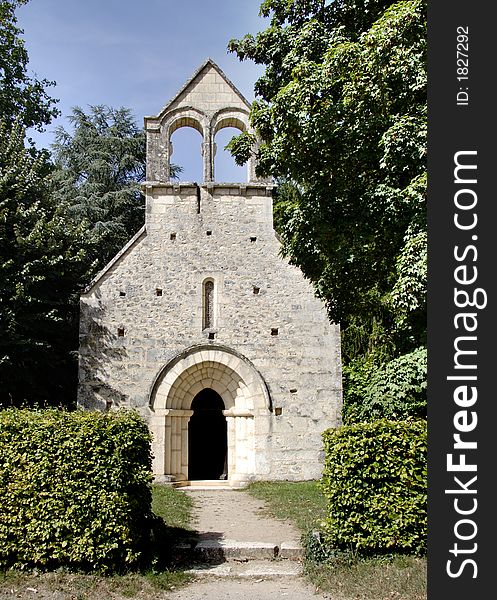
{"points": [[207, 437], [245, 398]]}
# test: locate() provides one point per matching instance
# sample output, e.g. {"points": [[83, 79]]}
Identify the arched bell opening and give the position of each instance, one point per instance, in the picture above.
{"points": [[207, 437], [185, 151], [225, 168]]}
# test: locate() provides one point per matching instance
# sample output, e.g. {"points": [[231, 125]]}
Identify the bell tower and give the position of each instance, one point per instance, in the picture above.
{"points": [[208, 102]]}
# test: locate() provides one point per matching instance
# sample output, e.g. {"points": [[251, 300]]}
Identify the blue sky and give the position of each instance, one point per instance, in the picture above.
{"points": [[138, 54]]}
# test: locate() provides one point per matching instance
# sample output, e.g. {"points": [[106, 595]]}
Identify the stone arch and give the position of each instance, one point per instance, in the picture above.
{"points": [[176, 119], [209, 364], [238, 383], [230, 119], [185, 119]]}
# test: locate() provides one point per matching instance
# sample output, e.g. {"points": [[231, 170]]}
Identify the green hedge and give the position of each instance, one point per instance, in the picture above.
{"points": [[375, 485], [74, 489]]}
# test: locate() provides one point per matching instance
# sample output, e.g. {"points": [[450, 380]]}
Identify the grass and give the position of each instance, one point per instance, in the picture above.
{"points": [[173, 507], [349, 577], [393, 578], [300, 502], [79, 586]]}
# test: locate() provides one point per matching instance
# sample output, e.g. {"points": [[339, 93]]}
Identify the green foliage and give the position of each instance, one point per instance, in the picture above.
{"points": [[395, 390], [98, 169], [301, 502], [341, 116], [22, 98], [42, 262], [74, 489], [375, 485], [171, 505], [100, 165]]}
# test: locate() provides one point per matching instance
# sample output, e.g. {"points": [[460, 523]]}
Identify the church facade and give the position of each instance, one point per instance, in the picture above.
{"points": [[202, 327]]}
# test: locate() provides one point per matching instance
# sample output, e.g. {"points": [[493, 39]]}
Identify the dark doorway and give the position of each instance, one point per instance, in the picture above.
{"points": [[207, 437]]}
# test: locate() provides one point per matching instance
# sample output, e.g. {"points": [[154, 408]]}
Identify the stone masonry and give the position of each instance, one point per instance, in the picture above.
{"points": [[200, 298]]}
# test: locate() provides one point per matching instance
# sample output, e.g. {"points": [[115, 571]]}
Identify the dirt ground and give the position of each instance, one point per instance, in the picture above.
{"points": [[253, 589], [235, 515]]}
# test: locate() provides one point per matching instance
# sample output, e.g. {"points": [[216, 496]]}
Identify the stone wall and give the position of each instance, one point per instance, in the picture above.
{"points": [[145, 309]]}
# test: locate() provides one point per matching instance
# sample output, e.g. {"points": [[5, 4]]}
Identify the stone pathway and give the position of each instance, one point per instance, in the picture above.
{"points": [[243, 553], [256, 589], [235, 515]]}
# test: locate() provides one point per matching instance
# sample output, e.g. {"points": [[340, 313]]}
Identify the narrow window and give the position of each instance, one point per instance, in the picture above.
{"points": [[208, 304], [172, 236], [256, 290], [120, 332]]}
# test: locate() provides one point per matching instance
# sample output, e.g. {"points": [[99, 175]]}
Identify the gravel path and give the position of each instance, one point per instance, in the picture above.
{"points": [[235, 515], [255, 589]]}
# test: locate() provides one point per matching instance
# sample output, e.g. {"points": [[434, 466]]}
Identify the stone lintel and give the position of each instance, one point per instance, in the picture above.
{"points": [[178, 412], [238, 412], [178, 186]]}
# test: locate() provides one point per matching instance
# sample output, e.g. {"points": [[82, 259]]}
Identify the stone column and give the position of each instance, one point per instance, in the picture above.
{"points": [[230, 426], [240, 445], [173, 451], [165, 166], [168, 446], [184, 444], [208, 154], [157, 425]]}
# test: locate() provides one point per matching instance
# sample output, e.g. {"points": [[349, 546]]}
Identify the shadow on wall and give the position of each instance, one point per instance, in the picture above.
{"points": [[99, 347]]}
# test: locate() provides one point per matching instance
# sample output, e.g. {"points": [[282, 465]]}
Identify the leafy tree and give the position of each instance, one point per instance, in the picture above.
{"points": [[341, 117], [395, 391], [99, 169], [42, 262], [21, 97]]}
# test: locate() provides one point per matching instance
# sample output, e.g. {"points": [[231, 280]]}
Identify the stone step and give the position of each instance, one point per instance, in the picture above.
{"points": [[207, 484], [218, 551], [256, 569]]}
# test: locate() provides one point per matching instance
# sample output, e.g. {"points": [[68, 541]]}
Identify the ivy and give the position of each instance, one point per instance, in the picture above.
{"points": [[395, 390]]}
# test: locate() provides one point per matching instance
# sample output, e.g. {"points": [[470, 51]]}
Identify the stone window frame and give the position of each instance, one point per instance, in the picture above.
{"points": [[209, 304], [200, 278]]}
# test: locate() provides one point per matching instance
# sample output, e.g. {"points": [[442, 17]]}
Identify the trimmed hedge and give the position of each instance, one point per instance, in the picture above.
{"points": [[375, 485], [74, 489]]}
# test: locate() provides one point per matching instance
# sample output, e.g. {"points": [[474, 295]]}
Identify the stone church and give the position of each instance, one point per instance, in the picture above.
{"points": [[201, 326]]}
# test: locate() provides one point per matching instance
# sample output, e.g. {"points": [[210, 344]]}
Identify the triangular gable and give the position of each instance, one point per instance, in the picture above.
{"points": [[208, 88], [116, 260]]}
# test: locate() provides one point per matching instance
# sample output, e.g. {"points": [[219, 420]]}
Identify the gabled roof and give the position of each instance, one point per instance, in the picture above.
{"points": [[192, 84]]}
